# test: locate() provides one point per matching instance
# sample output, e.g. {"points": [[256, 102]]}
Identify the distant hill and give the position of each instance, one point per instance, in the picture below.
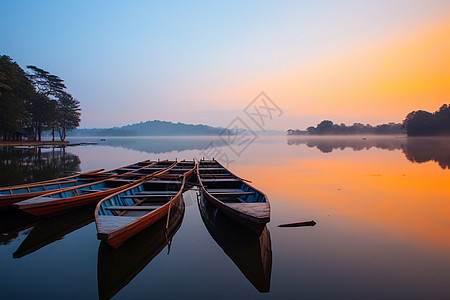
{"points": [[151, 128]]}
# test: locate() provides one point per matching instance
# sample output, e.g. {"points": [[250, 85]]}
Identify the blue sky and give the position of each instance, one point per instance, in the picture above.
{"points": [[196, 61]]}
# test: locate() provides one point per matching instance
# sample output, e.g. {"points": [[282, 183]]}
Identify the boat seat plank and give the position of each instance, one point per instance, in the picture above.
{"points": [[109, 223], [228, 192], [35, 200], [140, 207], [91, 190], [121, 180], [164, 181], [147, 196], [231, 193], [157, 193], [220, 180], [258, 210]]}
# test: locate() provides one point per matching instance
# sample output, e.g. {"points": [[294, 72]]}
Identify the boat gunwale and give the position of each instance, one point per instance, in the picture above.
{"points": [[145, 220], [238, 215], [63, 179], [61, 201]]}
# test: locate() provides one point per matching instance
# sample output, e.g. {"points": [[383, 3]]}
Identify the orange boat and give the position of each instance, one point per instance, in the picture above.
{"points": [[58, 201], [16, 193], [129, 211], [232, 196]]}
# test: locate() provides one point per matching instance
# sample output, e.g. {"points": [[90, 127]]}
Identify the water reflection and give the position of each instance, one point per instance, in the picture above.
{"points": [[159, 145], [22, 165], [251, 254], [117, 267], [330, 143], [55, 228], [416, 150], [419, 150], [12, 222]]}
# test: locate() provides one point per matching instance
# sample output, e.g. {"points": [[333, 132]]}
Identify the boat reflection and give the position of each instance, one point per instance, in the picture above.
{"points": [[51, 229], [250, 253], [12, 222], [117, 267]]}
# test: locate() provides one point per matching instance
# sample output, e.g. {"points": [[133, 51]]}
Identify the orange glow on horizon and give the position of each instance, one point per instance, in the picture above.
{"points": [[383, 82]]}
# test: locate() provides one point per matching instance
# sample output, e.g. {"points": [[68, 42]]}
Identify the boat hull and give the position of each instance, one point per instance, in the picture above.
{"points": [[251, 215], [119, 237], [48, 186], [57, 206], [7, 200], [255, 225]]}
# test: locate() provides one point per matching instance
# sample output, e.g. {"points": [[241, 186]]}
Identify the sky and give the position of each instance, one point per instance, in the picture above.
{"points": [[205, 61]]}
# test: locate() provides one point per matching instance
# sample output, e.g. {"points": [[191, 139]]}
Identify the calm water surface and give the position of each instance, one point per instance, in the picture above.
{"points": [[382, 207]]}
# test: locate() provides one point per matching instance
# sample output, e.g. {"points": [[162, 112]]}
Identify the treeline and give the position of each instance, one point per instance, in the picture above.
{"points": [[151, 128], [416, 123], [34, 102], [423, 123], [327, 127]]}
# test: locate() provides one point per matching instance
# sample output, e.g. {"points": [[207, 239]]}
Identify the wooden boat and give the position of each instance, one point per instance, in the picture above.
{"points": [[250, 253], [12, 194], [49, 230], [128, 212], [58, 201], [117, 267], [232, 196]]}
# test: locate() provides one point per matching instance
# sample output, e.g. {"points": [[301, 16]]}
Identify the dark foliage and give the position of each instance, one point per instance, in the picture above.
{"points": [[327, 127], [33, 103], [423, 123], [16, 91]]}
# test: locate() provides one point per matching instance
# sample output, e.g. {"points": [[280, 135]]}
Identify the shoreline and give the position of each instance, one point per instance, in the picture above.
{"points": [[33, 143], [41, 143]]}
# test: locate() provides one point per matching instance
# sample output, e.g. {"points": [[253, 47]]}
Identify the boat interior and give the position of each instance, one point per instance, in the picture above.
{"points": [[141, 199], [226, 187]]}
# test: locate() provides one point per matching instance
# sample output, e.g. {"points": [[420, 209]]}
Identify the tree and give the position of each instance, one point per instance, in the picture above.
{"points": [[420, 123], [16, 91], [42, 114], [34, 102], [325, 127], [68, 114], [64, 110], [46, 83], [443, 119]]}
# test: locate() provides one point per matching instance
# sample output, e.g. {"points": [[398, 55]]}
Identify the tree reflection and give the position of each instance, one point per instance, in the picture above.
{"points": [[163, 144], [416, 150], [420, 150], [19, 165], [328, 144]]}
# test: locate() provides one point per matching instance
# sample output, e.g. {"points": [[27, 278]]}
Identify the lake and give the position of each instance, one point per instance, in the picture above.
{"points": [[381, 204]]}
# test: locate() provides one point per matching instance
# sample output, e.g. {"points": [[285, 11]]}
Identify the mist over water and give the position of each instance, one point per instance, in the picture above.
{"points": [[380, 203]]}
